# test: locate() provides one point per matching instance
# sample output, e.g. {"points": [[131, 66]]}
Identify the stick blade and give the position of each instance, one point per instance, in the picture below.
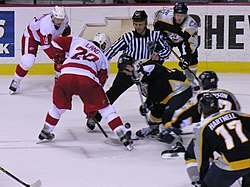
{"points": [[36, 184], [114, 141]]}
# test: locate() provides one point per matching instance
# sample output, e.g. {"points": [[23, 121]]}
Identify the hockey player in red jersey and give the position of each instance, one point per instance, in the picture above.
{"points": [[41, 31], [83, 73], [227, 133]]}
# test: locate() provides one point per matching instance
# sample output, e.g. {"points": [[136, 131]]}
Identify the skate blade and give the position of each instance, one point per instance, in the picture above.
{"points": [[173, 155], [88, 130], [130, 147], [43, 141], [11, 92], [135, 138]]}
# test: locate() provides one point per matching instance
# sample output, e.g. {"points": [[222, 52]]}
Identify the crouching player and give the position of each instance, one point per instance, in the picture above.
{"points": [[83, 73], [189, 114], [226, 133], [166, 91]]}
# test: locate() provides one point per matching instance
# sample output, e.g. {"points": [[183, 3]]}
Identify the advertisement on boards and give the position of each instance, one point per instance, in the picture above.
{"points": [[7, 35]]}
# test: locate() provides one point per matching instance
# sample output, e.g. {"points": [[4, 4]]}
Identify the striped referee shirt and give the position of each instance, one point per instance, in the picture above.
{"points": [[140, 47]]}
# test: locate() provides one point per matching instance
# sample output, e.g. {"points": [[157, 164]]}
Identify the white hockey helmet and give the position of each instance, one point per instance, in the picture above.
{"points": [[103, 40], [162, 14], [59, 12]]}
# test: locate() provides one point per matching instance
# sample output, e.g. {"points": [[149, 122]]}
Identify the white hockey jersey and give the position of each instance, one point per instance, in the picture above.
{"points": [[43, 30], [84, 58]]}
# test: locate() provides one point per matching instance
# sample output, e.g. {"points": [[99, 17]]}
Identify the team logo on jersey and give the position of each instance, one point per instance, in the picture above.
{"points": [[103, 101], [192, 24], [46, 40]]}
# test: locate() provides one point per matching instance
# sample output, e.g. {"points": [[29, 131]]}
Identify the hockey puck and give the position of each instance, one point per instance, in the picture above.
{"points": [[127, 125]]}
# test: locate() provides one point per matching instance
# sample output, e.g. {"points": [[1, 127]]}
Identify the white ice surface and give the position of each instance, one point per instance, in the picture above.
{"points": [[80, 159]]}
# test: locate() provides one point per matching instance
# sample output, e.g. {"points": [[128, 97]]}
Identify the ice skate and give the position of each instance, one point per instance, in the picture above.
{"points": [[147, 132], [177, 151], [90, 125], [45, 136], [126, 139], [14, 87]]}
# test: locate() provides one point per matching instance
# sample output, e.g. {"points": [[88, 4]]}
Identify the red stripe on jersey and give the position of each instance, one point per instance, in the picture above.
{"points": [[30, 32], [44, 40], [80, 66], [64, 42]]}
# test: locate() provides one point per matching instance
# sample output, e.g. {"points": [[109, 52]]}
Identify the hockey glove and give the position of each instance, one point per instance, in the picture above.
{"points": [[143, 109], [185, 61], [169, 135], [135, 78], [102, 76], [146, 107], [183, 64]]}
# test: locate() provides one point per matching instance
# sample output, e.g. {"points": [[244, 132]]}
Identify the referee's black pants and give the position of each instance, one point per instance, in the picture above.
{"points": [[121, 83]]}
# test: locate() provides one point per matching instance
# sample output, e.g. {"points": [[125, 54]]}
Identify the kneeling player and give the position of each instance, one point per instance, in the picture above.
{"points": [[226, 133], [189, 114]]}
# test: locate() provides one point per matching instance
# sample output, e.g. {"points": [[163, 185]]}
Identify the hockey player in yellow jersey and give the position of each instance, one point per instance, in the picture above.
{"points": [[226, 133], [180, 30], [189, 114], [166, 90]]}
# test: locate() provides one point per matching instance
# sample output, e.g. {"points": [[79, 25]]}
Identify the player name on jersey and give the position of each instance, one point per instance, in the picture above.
{"points": [[220, 95], [212, 125]]}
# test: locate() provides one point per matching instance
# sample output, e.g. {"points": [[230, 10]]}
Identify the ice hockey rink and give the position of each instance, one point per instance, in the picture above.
{"points": [[79, 159]]}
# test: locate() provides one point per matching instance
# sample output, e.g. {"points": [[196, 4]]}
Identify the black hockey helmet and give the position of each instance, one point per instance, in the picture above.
{"points": [[208, 79], [208, 104], [123, 61], [180, 8], [140, 15]]}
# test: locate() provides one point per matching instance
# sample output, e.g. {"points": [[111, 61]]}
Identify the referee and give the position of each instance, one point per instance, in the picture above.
{"points": [[142, 43]]}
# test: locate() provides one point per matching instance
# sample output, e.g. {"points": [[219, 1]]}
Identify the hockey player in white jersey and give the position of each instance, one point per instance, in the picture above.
{"points": [[40, 32], [83, 73]]}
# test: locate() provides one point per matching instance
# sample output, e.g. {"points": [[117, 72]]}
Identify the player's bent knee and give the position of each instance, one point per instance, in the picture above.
{"points": [[108, 113], [56, 112], [27, 61]]}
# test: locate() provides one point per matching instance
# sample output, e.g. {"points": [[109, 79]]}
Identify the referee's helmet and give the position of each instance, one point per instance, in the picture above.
{"points": [[140, 15]]}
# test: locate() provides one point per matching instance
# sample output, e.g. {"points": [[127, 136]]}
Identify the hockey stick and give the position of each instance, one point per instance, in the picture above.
{"points": [[36, 184], [179, 59], [113, 140], [140, 94], [141, 99], [186, 133]]}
